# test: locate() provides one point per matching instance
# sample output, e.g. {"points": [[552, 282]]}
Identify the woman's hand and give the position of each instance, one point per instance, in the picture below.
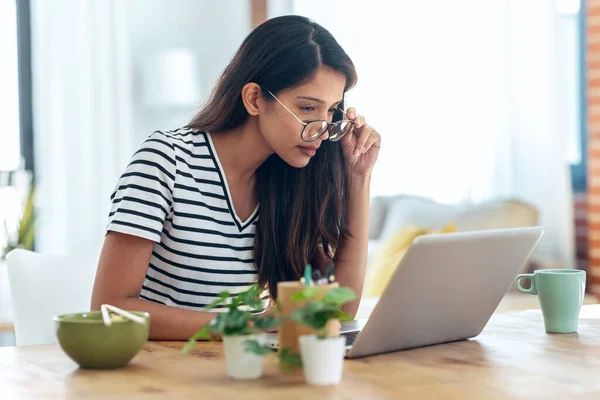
{"points": [[270, 310], [361, 145]]}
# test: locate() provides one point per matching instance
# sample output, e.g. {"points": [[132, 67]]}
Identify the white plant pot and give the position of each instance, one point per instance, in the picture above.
{"points": [[323, 359], [241, 364]]}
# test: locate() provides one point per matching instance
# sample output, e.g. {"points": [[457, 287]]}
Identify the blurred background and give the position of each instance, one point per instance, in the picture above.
{"points": [[483, 109]]}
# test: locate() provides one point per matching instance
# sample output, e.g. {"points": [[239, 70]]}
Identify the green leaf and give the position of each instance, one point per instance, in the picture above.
{"points": [[316, 314], [189, 346], [256, 306], [319, 320], [306, 294], [202, 334], [238, 331], [343, 317], [237, 319], [221, 300], [339, 296], [28, 237], [298, 315], [26, 230], [288, 361], [251, 297], [315, 320], [291, 358], [268, 322], [252, 346], [321, 333], [327, 307], [218, 323]]}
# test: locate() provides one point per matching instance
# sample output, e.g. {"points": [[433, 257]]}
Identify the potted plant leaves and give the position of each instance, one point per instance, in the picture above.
{"points": [[243, 331], [25, 234], [322, 355]]}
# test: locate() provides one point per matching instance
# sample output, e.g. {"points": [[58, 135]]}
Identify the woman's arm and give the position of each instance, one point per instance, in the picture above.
{"points": [[121, 272], [361, 148], [351, 255]]}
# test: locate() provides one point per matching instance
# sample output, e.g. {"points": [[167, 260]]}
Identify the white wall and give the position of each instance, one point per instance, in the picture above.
{"points": [[212, 29]]}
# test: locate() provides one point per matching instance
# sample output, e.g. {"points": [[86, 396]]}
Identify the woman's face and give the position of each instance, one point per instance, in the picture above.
{"points": [[317, 99]]}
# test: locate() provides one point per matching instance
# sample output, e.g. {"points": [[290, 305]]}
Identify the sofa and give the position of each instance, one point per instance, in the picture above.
{"points": [[390, 214]]}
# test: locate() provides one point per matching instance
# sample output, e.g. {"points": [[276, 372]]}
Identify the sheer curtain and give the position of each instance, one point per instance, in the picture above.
{"points": [[10, 202], [470, 97], [9, 95], [82, 108]]}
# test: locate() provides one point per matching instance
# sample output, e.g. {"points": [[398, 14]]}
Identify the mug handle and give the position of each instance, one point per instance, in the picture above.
{"points": [[532, 290]]}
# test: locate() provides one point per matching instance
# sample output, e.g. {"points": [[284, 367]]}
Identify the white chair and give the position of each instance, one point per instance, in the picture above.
{"points": [[43, 286]]}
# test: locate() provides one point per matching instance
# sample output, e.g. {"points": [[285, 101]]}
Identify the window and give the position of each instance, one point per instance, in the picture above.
{"points": [[579, 165], [9, 95], [16, 135]]}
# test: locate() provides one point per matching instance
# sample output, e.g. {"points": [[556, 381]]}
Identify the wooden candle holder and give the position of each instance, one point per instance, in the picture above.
{"points": [[290, 331]]}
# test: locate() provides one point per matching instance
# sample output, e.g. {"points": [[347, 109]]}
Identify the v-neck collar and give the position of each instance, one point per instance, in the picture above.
{"points": [[239, 223]]}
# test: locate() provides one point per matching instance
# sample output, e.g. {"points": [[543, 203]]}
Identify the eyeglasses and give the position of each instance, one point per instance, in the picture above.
{"points": [[312, 130]]}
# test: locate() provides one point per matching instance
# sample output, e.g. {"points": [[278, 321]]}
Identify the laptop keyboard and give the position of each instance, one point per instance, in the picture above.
{"points": [[350, 337]]}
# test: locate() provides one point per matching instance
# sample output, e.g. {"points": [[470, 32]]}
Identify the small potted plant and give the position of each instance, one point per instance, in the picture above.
{"points": [[243, 329], [322, 355]]}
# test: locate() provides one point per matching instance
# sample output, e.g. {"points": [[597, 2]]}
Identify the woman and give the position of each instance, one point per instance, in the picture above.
{"points": [[184, 222]]}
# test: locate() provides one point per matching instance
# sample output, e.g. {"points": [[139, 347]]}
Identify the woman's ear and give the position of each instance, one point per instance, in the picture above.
{"points": [[250, 96]]}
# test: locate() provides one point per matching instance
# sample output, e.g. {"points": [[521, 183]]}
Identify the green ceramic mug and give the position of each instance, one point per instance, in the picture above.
{"points": [[560, 292]]}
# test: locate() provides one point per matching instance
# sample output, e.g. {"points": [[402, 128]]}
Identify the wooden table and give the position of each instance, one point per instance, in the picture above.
{"points": [[513, 358]]}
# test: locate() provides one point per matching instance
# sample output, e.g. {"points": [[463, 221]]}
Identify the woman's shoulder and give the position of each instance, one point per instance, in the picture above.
{"points": [[186, 137], [184, 143]]}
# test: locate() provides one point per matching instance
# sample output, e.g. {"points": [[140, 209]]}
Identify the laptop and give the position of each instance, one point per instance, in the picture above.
{"points": [[445, 289]]}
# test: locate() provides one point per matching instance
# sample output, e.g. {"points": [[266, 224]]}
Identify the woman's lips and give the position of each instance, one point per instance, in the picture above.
{"points": [[308, 150]]}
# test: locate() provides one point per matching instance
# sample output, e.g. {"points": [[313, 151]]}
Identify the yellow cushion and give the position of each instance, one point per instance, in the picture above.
{"points": [[389, 256]]}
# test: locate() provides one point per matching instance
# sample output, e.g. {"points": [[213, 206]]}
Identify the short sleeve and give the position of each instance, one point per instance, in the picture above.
{"points": [[143, 196]]}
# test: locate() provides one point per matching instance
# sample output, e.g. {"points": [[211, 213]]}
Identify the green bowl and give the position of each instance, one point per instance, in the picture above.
{"points": [[91, 344]]}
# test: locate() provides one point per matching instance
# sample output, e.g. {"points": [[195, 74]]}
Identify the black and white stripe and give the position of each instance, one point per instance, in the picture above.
{"points": [[175, 193]]}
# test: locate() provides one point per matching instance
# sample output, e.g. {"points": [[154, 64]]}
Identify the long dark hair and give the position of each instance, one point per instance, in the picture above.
{"points": [[302, 211]]}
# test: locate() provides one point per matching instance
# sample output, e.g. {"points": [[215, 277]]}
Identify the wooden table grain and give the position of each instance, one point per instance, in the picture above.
{"points": [[512, 359]]}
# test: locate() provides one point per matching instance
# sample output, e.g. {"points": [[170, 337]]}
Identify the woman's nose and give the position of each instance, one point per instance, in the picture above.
{"points": [[325, 136]]}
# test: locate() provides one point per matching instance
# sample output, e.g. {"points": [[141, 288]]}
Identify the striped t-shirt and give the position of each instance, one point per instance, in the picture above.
{"points": [[175, 193]]}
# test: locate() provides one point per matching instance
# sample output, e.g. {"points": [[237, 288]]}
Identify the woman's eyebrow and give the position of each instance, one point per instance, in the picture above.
{"points": [[316, 99]]}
